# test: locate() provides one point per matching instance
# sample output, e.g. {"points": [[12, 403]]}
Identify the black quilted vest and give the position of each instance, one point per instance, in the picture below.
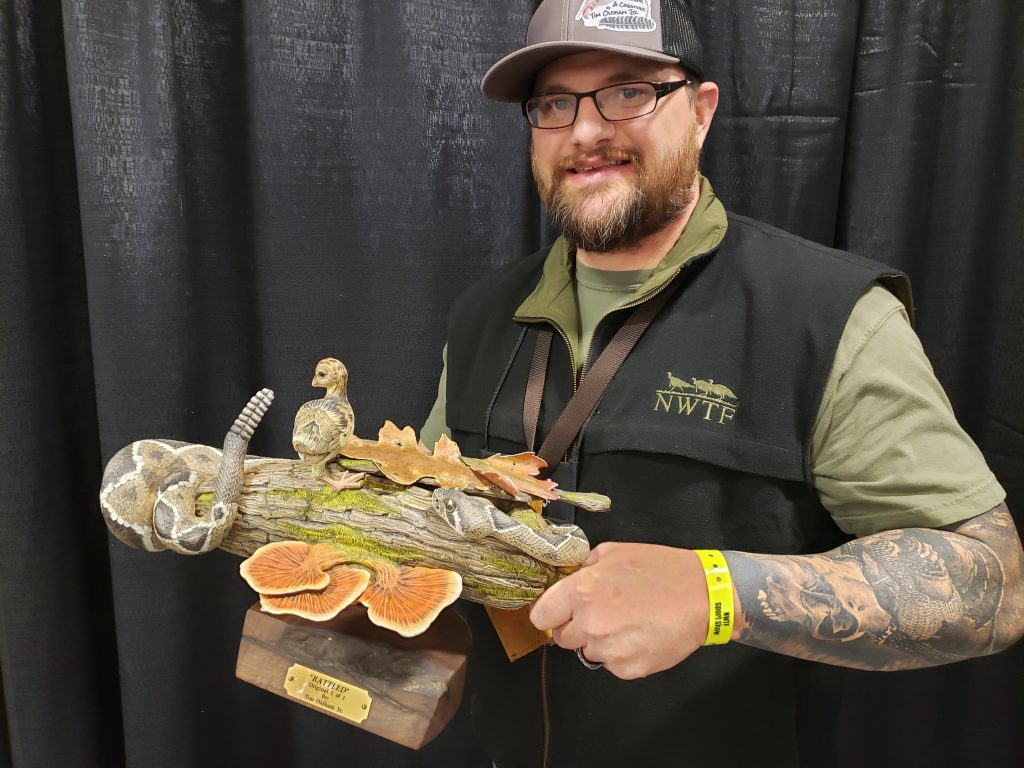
{"points": [[713, 456]]}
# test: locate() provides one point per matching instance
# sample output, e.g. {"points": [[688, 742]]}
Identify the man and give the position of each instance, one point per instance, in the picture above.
{"points": [[778, 405]]}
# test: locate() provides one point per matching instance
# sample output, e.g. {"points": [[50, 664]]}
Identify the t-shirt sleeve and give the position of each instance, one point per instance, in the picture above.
{"points": [[887, 451], [436, 423]]}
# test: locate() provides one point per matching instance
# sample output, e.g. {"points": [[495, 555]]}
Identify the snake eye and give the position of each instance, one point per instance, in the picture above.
{"points": [[449, 505]]}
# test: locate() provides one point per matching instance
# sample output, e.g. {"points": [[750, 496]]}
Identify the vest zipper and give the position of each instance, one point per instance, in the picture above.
{"points": [[565, 338], [545, 705], [544, 701], [572, 357]]}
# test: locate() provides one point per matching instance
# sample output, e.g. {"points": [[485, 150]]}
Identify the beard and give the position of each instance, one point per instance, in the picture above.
{"points": [[623, 211]]}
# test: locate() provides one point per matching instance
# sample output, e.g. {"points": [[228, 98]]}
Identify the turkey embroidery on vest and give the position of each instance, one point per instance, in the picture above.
{"points": [[697, 398]]}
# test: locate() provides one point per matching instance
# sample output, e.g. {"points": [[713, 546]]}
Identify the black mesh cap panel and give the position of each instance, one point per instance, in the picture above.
{"points": [[679, 36]]}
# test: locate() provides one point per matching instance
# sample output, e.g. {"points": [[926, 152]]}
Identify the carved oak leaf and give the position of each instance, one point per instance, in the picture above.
{"points": [[525, 463], [515, 473], [391, 434], [399, 457], [447, 450]]}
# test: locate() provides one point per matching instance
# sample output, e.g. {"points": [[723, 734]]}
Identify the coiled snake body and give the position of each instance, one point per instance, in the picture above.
{"points": [[476, 518], [149, 488]]}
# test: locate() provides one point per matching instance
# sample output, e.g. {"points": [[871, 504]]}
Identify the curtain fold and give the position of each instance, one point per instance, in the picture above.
{"points": [[57, 649], [199, 199]]}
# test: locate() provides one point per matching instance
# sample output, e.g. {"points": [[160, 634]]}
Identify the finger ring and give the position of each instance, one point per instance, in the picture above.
{"points": [[587, 662]]}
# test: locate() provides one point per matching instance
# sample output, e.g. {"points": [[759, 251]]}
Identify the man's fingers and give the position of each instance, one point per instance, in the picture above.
{"points": [[594, 556], [567, 636], [554, 607]]}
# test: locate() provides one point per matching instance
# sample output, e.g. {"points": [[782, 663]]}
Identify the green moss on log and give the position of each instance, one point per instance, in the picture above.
{"points": [[504, 594], [336, 501], [517, 567], [349, 537]]}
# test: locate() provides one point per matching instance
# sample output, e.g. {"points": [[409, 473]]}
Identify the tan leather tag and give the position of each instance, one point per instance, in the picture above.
{"points": [[517, 634]]}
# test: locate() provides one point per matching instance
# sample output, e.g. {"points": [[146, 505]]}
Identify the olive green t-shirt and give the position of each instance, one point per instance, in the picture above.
{"points": [[887, 451], [598, 292]]}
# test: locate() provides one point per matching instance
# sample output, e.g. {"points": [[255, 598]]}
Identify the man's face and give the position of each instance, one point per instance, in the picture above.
{"points": [[609, 184]]}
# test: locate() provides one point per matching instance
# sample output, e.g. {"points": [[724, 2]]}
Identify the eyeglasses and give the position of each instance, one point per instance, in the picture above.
{"points": [[622, 101]]}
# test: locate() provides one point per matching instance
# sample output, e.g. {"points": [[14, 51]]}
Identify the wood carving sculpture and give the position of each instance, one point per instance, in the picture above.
{"points": [[406, 536], [323, 427]]}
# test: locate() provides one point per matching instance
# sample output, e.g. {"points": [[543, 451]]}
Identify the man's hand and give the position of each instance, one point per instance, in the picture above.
{"points": [[636, 608], [900, 599]]}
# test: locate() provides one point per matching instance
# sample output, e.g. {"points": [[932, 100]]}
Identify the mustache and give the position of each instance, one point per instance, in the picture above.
{"points": [[606, 154]]}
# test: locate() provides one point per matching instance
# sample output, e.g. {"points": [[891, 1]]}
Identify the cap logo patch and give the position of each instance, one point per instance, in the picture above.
{"points": [[617, 15]]}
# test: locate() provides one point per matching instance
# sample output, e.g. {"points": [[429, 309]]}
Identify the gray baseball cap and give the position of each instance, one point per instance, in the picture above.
{"points": [[658, 30]]}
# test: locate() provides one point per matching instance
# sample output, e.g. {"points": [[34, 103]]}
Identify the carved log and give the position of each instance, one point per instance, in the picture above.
{"points": [[280, 500]]}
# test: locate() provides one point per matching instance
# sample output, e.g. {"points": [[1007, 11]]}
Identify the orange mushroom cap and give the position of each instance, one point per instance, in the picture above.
{"points": [[285, 567], [407, 599], [344, 586]]}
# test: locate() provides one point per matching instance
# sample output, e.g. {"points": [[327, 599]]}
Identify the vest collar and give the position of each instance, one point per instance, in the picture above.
{"points": [[554, 298]]}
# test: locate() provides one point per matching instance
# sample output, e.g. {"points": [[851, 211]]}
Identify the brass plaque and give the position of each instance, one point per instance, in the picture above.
{"points": [[327, 693]]}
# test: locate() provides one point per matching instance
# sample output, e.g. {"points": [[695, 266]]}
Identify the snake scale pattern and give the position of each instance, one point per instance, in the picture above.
{"points": [[148, 495], [475, 518]]}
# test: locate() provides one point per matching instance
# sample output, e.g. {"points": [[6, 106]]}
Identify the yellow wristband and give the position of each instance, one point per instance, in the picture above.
{"points": [[720, 616]]}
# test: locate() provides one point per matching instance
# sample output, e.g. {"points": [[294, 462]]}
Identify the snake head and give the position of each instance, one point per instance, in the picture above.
{"points": [[446, 500]]}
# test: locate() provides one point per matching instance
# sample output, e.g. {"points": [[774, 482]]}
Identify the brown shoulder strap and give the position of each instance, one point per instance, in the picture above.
{"points": [[592, 388], [535, 384]]}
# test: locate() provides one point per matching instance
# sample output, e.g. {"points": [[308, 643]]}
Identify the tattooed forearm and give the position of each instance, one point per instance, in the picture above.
{"points": [[896, 600]]}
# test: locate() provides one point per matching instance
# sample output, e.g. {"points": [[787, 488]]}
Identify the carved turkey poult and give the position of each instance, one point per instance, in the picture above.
{"points": [[323, 427]]}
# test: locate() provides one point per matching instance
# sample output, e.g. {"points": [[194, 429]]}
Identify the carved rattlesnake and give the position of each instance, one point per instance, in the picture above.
{"points": [[149, 488], [476, 518]]}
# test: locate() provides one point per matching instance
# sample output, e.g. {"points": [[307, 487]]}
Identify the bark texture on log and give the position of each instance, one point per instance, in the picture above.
{"points": [[281, 501]]}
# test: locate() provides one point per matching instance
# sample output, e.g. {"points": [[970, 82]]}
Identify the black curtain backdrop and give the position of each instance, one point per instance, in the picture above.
{"points": [[199, 198]]}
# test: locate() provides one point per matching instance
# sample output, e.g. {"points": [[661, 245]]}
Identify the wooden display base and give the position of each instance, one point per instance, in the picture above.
{"points": [[404, 689]]}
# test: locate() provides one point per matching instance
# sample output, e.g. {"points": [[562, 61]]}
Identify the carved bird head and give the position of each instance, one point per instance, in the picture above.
{"points": [[330, 374]]}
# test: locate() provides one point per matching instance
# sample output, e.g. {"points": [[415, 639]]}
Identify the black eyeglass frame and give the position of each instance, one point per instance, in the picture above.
{"points": [[660, 89]]}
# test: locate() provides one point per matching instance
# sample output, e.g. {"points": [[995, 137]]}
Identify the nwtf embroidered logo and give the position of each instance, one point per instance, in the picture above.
{"points": [[698, 398], [617, 15]]}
